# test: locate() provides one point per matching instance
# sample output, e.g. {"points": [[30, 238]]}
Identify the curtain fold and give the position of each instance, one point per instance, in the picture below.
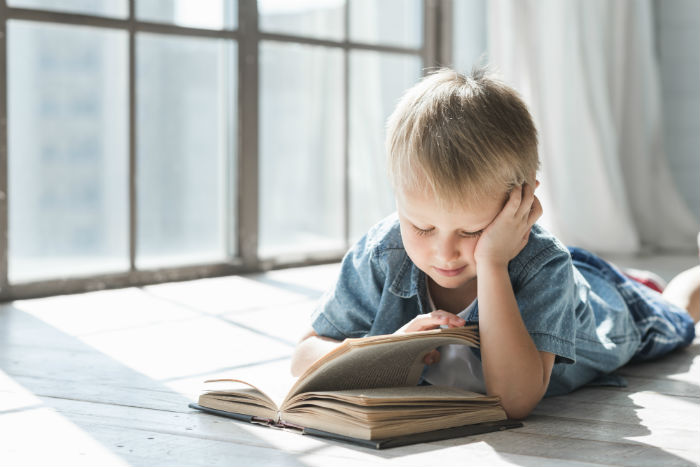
{"points": [[589, 72]]}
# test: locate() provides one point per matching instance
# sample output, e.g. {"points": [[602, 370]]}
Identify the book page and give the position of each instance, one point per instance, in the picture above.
{"points": [[389, 413], [244, 392], [379, 361], [234, 404], [404, 395], [384, 422]]}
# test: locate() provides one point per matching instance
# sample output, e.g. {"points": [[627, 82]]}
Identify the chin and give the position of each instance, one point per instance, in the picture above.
{"points": [[452, 282]]}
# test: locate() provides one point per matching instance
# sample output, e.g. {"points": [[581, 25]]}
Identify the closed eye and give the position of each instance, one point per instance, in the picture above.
{"points": [[464, 234], [472, 234], [421, 232]]}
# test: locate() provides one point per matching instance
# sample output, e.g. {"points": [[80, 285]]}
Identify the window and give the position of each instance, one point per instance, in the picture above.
{"points": [[189, 138]]}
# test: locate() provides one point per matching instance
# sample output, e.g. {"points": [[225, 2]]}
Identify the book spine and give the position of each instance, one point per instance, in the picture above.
{"points": [[290, 426], [277, 423], [263, 421]]}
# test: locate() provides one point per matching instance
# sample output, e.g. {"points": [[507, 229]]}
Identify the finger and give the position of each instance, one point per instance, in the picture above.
{"points": [[526, 208], [442, 314], [526, 203], [514, 201], [530, 193], [436, 319], [431, 357], [535, 212]]}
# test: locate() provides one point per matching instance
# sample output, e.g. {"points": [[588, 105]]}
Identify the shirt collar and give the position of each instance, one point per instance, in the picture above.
{"points": [[409, 282]]}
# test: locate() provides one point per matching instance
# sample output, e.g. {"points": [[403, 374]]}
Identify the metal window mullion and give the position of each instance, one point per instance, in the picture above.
{"points": [[430, 34], [131, 22], [446, 29], [4, 226], [278, 37], [248, 130], [346, 131], [45, 288], [133, 218]]}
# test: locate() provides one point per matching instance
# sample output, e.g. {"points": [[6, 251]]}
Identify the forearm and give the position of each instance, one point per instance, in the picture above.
{"points": [[512, 365], [309, 350]]}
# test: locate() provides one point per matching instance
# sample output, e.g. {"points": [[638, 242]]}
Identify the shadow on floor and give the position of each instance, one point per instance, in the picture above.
{"points": [[136, 418]]}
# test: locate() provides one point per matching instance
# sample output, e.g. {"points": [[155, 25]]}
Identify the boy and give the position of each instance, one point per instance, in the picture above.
{"points": [[464, 248]]}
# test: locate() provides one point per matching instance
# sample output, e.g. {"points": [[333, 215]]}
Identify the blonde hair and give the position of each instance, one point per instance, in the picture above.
{"points": [[463, 138]]}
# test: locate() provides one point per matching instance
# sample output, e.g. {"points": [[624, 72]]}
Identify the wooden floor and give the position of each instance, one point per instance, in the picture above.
{"points": [[105, 378]]}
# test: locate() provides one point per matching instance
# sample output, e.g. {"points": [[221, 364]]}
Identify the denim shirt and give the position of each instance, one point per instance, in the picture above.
{"points": [[571, 313]]}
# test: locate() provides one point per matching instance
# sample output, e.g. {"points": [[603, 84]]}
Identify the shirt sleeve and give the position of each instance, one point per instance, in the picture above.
{"points": [[546, 296], [348, 309]]}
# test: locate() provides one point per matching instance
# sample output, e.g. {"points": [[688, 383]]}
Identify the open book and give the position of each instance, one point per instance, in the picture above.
{"points": [[367, 389]]}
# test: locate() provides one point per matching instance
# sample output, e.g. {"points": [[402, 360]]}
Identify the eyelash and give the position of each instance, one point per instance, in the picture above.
{"points": [[424, 232]]}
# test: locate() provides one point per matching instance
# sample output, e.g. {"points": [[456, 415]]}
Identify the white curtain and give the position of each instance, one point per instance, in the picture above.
{"points": [[588, 70]]}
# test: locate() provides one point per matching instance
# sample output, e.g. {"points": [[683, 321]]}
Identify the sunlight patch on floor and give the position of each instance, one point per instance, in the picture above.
{"points": [[33, 434]]}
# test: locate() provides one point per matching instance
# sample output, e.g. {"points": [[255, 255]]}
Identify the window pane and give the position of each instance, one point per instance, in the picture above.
{"points": [[185, 149], [321, 19], [113, 8], [377, 80], [209, 14], [387, 22], [301, 148], [68, 150]]}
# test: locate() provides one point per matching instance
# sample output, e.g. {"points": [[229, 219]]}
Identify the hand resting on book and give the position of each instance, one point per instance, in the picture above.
{"points": [[312, 346], [432, 320]]}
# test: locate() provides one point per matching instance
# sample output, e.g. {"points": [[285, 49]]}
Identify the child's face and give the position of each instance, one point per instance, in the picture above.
{"points": [[441, 242]]}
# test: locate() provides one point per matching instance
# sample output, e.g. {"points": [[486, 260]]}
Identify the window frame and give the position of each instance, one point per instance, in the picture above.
{"points": [[435, 50]]}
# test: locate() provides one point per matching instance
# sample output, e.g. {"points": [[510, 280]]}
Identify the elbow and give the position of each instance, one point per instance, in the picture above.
{"points": [[520, 396], [519, 405], [518, 410]]}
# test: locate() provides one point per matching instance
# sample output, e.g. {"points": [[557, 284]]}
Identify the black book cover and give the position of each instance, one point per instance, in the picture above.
{"points": [[437, 435]]}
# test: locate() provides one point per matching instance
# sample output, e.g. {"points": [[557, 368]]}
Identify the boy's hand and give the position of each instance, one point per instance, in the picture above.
{"points": [[507, 235], [432, 320], [428, 321]]}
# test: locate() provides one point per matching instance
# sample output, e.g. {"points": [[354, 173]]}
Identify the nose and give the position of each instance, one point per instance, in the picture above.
{"points": [[447, 250]]}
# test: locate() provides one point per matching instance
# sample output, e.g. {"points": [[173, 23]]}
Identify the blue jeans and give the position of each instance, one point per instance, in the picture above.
{"points": [[663, 326]]}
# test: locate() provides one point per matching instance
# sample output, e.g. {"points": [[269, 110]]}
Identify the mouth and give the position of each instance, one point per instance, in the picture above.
{"points": [[449, 272]]}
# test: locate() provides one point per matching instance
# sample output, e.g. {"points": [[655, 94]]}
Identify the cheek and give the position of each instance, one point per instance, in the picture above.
{"points": [[466, 248], [416, 248], [469, 246]]}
